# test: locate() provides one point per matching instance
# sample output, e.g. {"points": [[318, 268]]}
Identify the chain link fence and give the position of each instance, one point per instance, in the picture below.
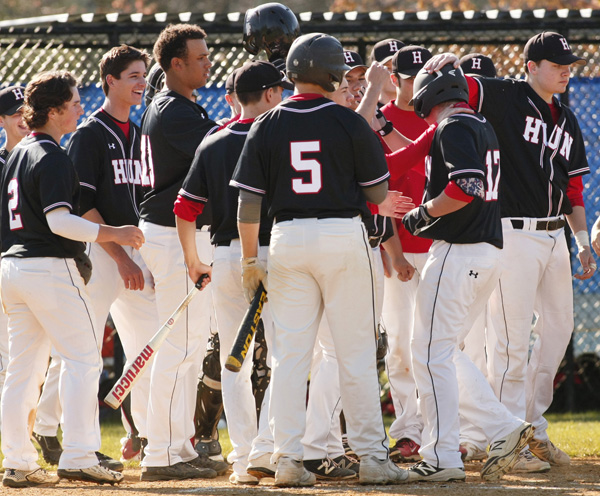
{"points": [[78, 44]]}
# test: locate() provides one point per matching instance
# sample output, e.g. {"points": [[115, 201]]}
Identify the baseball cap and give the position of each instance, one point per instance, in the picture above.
{"points": [[384, 50], [230, 82], [477, 64], [257, 75], [551, 46], [409, 60], [353, 59], [11, 99]]}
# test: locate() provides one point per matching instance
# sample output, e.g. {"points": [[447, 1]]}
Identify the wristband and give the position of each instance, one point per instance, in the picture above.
{"points": [[387, 129], [582, 238]]}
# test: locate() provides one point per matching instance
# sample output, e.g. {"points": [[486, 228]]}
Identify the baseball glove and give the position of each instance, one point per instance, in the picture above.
{"points": [[84, 266]]}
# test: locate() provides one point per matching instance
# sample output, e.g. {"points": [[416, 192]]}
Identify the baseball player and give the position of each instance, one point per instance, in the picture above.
{"points": [[11, 103], [258, 89], [383, 52], [43, 290], [316, 162], [541, 186], [477, 64], [172, 127], [355, 77], [106, 153], [461, 213]]}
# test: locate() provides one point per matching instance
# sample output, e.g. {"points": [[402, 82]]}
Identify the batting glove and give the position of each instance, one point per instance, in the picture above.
{"points": [[253, 273], [417, 219]]}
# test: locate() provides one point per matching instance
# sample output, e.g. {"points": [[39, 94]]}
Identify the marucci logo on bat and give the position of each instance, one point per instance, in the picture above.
{"points": [[126, 381]]}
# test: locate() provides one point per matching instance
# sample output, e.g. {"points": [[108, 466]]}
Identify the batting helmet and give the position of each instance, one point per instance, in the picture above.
{"points": [[272, 27], [154, 83], [429, 90], [317, 58]]}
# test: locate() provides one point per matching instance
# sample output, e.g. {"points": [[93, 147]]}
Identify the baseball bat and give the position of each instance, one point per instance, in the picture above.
{"points": [[139, 365], [246, 331]]}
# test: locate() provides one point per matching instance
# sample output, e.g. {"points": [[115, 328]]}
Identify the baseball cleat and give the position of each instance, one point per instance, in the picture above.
{"points": [[291, 473], [529, 464], [51, 448], [375, 471], [179, 471], [109, 463], [424, 472], [203, 461], [504, 452], [345, 461], [347, 449], [545, 450], [405, 450], [211, 448], [327, 469], [470, 453], [262, 467], [243, 479], [28, 478], [131, 448], [95, 473]]}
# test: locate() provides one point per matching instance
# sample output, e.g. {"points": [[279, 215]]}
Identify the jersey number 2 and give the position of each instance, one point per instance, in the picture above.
{"points": [[14, 218], [297, 148], [492, 163]]}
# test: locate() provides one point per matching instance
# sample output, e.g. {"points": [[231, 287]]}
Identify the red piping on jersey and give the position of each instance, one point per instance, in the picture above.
{"points": [[187, 209], [455, 192], [303, 97], [246, 121]]}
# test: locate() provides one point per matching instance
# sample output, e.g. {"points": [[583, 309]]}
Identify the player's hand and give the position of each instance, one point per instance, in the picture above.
{"points": [[588, 264], [395, 205], [377, 75], [403, 267], [436, 62], [457, 108], [253, 273], [129, 236], [198, 269], [417, 219], [130, 272]]}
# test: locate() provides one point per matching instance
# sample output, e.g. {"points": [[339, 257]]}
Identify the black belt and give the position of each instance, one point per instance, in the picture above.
{"points": [[227, 242], [542, 225], [341, 215]]}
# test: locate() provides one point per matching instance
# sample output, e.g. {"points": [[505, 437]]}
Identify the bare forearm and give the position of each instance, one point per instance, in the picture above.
{"points": [[249, 238], [115, 251], [443, 205], [186, 231]]}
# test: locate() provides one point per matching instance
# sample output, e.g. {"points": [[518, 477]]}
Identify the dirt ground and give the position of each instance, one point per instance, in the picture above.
{"points": [[581, 478]]}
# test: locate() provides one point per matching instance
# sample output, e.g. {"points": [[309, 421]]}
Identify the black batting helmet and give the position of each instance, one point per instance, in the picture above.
{"points": [[317, 58], [429, 90], [154, 83], [272, 27]]}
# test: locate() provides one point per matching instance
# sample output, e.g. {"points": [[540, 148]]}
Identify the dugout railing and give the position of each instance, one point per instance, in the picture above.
{"points": [[77, 42]]}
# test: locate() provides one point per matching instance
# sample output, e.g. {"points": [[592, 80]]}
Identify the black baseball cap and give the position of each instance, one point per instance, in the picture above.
{"points": [[11, 99], [551, 46], [409, 60], [353, 59], [257, 75], [230, 81], [477, 64], [384, 50]]}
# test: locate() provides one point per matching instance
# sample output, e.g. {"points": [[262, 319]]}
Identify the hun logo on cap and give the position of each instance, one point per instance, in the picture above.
{"points": [[393, 45], [18, 92], [565, 44], [417, 57], [476, 63], [349, 58]]}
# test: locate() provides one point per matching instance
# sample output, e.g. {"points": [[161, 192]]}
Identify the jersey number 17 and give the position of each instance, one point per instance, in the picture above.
{"points": [[492, 164]]}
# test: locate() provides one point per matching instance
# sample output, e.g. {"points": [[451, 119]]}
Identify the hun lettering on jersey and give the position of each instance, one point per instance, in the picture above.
{"points": [[131, 172], [536, 131]]}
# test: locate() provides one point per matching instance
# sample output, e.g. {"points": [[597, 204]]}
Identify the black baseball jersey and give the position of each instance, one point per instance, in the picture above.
{"points": [[465, 146], [310, 157], [109, 168], [172, 129], [538, 158], [209, 176], [38, 177], [3, 156]]}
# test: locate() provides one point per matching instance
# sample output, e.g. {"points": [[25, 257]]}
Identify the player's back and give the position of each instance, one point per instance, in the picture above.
{"points": [[315, 156]]}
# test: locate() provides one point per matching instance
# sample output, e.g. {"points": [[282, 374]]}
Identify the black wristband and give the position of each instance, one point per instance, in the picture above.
{"points": [[387, 129]]}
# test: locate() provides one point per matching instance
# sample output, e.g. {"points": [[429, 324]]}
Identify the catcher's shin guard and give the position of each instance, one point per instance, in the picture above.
{"points": [[209, 401]]}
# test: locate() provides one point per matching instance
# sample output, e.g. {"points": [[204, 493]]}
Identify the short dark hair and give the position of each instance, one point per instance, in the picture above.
{"points": [[172, 42], [249, 97], [45, 92], [117, 59]]}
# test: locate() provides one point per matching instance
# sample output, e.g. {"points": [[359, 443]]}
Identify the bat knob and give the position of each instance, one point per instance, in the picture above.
{"points": [[233, 364]]}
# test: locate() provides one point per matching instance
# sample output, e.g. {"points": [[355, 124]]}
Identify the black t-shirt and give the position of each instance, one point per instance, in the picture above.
{"points": [[465, 146], [209, 178], [310, 157], [538, 157], [109, 169], [38, 177], [172, 129]]}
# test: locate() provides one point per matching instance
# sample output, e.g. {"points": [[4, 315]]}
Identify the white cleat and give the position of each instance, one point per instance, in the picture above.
{"points": [[529, 464], [504, 452], [424, 472], [545, 450], [375, 471], [291, 473]]}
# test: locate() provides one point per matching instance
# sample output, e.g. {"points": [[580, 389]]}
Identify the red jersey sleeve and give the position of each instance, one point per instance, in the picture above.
{"points": [[473, 92], [575, 191], [187, 209], [401, 161]]}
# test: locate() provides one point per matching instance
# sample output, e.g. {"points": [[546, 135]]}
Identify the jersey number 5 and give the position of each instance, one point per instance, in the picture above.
{"points": [[14, 218], [297, 148], [492, 163]]}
